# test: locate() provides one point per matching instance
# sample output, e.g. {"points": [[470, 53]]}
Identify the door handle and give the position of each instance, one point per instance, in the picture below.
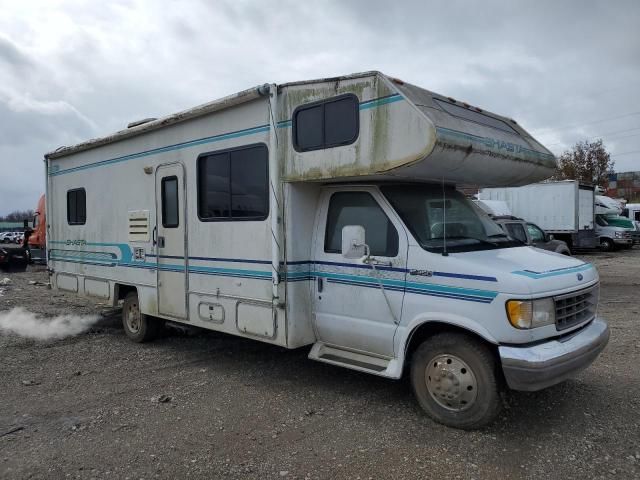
{"points": [[377, 261], [320, 285], [160, 242]]}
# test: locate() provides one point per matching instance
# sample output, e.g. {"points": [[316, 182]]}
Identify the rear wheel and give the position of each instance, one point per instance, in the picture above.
{"points": [[138, 326], [456, 382]]}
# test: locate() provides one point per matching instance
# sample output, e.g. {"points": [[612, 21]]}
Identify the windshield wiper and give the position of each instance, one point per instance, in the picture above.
{"points": [[479, 240], [507, 237]]}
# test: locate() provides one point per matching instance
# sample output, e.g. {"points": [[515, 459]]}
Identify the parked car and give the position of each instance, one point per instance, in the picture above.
{"points": [[531, 234], [9, 237]]}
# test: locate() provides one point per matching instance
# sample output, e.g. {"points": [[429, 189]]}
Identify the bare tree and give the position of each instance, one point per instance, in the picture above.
{"points": [[18, 216], [588, 162]]}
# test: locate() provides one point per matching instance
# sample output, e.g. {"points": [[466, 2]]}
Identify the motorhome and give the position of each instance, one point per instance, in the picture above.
{"points": [[324, 214]]}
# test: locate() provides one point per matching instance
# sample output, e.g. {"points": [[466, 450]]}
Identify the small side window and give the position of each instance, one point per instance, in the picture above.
{"points": [[360, 208], [76, 207], [170, 202], [326, 124]]}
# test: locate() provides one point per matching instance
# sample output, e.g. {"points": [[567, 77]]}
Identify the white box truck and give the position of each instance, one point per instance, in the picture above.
{"points": [[324, 213], [564, 209]]}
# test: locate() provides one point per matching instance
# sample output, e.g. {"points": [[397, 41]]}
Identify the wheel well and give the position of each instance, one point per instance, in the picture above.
{"points": [[121, 291], [427, 329]]}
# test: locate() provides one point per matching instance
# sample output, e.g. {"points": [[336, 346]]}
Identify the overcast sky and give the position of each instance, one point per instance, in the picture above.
{"points": [[71, 70]]}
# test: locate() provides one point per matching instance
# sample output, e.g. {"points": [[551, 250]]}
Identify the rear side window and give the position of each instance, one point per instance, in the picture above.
{"points": [[360, 208], [329, 123], [77, 207], [234, 184], [170, 203]]}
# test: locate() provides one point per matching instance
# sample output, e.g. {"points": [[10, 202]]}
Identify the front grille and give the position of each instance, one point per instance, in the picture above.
{"points": [[576, 307]]}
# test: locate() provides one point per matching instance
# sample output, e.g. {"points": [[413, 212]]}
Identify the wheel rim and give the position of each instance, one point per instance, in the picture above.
{"points": [[132, 318], [451, 383]]}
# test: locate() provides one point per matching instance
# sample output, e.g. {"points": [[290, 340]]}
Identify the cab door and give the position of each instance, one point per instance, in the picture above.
{"points": [[357, 307], [170, 241]]}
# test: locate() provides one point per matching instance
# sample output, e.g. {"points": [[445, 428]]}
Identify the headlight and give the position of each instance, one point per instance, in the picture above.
{"points": [[618, 234], [525, 314]]}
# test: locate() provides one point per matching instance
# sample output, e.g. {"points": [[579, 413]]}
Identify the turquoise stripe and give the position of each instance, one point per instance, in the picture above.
{"points": [[125, 261], [382, 101], [230, 271], [553, 273], [431, 287], [169, 148], [55, 169], [125, 251], [493, 143]]}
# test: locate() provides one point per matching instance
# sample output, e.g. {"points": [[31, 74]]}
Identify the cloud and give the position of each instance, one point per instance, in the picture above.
{"points": [[71, 70]]}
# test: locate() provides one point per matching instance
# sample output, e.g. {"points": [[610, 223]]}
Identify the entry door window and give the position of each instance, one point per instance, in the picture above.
{"points": [[170, 202]]}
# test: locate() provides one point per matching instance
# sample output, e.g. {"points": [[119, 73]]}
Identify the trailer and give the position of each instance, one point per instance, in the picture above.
{"points": [[324, 213], [564, 209]]}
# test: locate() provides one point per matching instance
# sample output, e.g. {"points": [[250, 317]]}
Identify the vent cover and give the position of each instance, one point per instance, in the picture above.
{"points": [[139, 226]]}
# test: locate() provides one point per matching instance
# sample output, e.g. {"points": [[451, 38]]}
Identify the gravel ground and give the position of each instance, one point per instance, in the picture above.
{"points": [[209, 405]]}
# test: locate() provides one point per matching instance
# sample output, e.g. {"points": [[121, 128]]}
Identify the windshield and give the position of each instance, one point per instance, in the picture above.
{"points": [[425, 209], [618, 221]]}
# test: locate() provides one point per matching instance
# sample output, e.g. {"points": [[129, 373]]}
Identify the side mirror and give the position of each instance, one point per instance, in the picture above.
{"points": [[353, 245], [550, 237]]}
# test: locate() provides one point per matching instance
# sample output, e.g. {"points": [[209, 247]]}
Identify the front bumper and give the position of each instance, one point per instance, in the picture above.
{"points": [[539, 366], [623, 241]]}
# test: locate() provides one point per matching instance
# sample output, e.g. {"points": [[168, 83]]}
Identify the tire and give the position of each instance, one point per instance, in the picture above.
{"points": [[137, 326], [607, 245], [475, 400]]}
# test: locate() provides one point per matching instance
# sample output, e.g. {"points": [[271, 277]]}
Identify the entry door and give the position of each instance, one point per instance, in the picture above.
{"points": [[170, 241], [350, 308]]}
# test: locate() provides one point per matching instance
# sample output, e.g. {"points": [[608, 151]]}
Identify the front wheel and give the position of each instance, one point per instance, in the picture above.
{"points": [[138, 326], [456, 381], [607, 245]]}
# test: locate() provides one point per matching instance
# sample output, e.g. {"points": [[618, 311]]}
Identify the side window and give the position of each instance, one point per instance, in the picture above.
{"points": [[516, 230], [77, 207], [170, 202], [601, 221], [234, 184], [536, 234], [360, 208], [326, 124]]}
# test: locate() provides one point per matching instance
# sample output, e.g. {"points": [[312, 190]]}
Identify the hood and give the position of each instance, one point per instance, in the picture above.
{"points": [[529, 270]]}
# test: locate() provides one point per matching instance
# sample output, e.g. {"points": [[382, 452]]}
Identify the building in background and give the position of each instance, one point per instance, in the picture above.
{"points": [[624, 185]]}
